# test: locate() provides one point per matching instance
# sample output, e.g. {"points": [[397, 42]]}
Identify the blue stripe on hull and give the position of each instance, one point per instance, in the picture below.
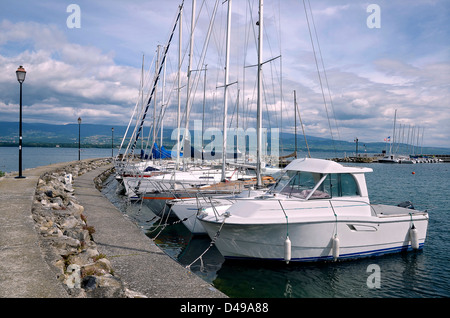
{"points": [[405, 248]]}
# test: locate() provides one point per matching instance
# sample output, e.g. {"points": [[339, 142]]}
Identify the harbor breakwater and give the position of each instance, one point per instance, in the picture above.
{"points": [[66, 236]]}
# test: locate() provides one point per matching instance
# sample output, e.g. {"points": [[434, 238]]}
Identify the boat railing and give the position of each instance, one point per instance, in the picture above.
{"points": [[379, 210], [215, 211], [164, 186], [175, 187], [334, 207], [372, 209], [202, 197], [187, 186]]}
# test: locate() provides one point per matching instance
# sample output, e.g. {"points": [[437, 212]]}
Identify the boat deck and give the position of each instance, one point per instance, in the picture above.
{"points": [[382, 210]]}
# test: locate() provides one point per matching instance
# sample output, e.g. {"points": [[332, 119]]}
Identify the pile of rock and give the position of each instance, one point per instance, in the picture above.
{"points": [[66, 236]]}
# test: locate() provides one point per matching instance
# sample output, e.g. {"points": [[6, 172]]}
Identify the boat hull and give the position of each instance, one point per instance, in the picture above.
{"points": [[187, 212], [157, 202], [313, 240]]}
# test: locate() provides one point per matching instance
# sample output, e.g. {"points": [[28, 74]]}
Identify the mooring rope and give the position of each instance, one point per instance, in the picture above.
{"points": [[213, 241]]}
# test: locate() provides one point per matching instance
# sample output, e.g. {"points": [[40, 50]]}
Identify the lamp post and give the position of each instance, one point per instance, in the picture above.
{"points": [[79, 138], [20, 73], [112, 142]]}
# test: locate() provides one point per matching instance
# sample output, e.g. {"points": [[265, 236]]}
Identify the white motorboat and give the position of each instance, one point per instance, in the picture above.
{"points": [[397, 159], [317, 210]]}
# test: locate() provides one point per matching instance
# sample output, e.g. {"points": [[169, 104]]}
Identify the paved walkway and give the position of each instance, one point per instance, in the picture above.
{"points": [[134, 257], [23, 270]]}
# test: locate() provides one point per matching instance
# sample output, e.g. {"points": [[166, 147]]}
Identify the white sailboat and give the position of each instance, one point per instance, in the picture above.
{"points": [[318, 210], [170, 180], [392, 157], [186, 210], [190, 182]]}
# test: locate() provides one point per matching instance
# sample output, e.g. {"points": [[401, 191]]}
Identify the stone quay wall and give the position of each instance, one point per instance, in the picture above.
{"points": [[66, 236]]}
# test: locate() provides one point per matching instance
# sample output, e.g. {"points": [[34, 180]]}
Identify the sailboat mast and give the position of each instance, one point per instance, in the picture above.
{"points": [[154, 101], [205, 69], [142, 92], [225, 97], [180, 43], [421, 145], [237, 125], [393, 134], [259, 98], [162, 113], [295, 122], [188, 87]]}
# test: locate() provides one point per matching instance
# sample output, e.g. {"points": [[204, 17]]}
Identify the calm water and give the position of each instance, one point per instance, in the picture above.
{"points": [[33, 157], [423, 274]]}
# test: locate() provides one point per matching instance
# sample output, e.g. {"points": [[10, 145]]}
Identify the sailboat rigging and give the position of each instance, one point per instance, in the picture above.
{"points": [[156, 80]]}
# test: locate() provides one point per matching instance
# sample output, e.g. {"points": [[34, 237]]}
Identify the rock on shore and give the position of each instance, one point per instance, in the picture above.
{"points": [[66, 236]]}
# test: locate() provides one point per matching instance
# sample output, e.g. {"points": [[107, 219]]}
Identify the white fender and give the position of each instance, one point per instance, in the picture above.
{"points": [[414, 237], [335, 247], [287, 250]]}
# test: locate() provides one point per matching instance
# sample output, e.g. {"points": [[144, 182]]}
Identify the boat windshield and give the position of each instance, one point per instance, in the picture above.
{"points": [[300, 184]]}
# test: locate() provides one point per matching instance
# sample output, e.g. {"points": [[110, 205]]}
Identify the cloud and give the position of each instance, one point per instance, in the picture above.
{"points": [[95, 71], [81, 79]]}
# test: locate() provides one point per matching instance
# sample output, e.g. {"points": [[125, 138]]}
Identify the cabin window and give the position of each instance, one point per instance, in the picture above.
{"points": [[283, 180], [340, 185], [299, 184]]}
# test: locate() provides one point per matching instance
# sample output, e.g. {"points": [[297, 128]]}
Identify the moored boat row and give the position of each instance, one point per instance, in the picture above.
{"points": [[315, 210]]}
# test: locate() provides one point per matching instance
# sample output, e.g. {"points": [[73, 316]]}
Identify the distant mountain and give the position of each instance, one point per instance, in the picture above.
{"points": [[36, 134], [93, 135]]}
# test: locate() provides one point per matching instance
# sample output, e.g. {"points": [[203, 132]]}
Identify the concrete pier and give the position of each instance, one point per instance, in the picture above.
{"points": [[136, 260], [23, 271], [142, 265]]}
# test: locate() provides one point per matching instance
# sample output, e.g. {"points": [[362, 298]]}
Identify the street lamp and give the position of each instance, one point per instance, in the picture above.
{"points": [[21, 78], [112, 142], [79, 138]]}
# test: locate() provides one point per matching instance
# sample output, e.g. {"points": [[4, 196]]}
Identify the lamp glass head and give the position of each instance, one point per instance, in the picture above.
{"points": [[21, 74]]}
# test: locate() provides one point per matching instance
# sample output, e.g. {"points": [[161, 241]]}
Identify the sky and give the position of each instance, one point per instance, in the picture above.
{"points": [[353, 64]]}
